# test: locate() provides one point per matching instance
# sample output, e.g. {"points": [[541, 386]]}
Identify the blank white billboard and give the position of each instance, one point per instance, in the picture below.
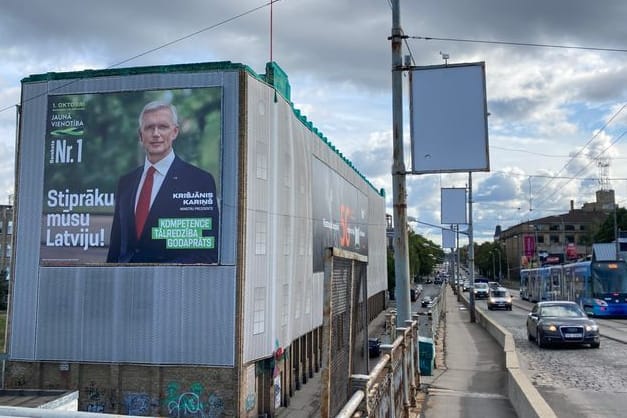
{"points": [[453, 210], [448, 238], [448, 118]]}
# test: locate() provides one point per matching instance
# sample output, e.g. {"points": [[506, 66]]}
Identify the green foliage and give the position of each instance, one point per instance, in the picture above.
{"points": [[487, 259], [391, 269], [424, 255], [3, 328], [606, 232], [4, 290]]}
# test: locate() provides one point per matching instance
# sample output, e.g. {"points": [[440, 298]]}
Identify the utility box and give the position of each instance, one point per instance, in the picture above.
{"points": [[427, 355]]}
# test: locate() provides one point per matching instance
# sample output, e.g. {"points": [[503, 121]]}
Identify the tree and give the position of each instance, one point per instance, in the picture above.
{"points": [[606, 232], [391, 271], [424, 255], [487, 259], [4, 289]]}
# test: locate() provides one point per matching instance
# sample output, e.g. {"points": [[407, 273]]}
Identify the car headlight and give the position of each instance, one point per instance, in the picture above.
{"points": [[549, 327], [492, 300], [592, 327]]}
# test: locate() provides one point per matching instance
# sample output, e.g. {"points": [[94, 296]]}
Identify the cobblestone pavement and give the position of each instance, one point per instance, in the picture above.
{"points": [[577, 381], [574, 368]]}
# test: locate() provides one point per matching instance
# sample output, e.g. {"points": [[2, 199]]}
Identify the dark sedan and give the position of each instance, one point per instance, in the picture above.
{"points": [[374, 347], [561, 322]]}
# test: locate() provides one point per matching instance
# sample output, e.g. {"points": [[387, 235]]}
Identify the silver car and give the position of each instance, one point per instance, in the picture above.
{"points": [[499, 298]]}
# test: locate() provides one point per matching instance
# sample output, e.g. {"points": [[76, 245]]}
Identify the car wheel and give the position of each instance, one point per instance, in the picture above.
{"points": [[595, 345], [539, 341]]}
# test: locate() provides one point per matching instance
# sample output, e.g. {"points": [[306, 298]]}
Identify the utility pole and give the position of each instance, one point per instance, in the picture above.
{"points": [[399, 189], [458, 284], [471, 253]]}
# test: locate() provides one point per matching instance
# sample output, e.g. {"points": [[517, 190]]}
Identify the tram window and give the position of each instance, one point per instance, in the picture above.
{"points": [[597, 285]]}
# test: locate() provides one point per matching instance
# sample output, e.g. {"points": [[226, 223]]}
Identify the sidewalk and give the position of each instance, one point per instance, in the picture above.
{"points": [[306, 402], [469, 378], [472, 381]]}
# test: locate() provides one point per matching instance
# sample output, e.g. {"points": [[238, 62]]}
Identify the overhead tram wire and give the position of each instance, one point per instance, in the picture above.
{"points": [[527, 44], [610, 120], [157, 48], [592, 160], [411, 54]]}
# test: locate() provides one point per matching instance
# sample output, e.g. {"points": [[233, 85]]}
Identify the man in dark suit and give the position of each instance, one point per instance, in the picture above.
{"points": [[166, 211]]}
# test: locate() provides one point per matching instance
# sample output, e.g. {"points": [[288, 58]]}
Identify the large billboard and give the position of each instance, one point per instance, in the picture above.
{"points": [[448, 118], [340, 213], [114, 192]]}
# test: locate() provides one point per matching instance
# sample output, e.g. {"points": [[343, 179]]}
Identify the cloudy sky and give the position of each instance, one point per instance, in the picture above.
{"points": [[555, 112]]}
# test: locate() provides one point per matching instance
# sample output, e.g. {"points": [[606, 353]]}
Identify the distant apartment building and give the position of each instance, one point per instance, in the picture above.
{"points": [[554, 239]]}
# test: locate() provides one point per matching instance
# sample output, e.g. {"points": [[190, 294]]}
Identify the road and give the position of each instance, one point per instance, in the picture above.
{"points": [[578, 382]]}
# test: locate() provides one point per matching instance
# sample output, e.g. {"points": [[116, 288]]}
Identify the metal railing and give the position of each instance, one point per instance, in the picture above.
{"points": [[392, 386]]}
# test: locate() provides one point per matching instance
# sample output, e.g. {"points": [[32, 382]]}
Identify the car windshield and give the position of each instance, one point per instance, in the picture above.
{"points": [[499, 293], [562, 311], [481, 285]]}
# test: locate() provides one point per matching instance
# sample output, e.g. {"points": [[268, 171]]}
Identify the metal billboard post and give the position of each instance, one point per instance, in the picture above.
{"points": [[399, 191], [457, 284], [471, 252]]}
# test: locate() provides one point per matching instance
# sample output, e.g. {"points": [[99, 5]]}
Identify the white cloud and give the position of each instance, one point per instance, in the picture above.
{"points": [[545, 103]]}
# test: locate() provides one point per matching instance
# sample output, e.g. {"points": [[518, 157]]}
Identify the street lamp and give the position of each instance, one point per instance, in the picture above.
{"points": [[498, 250], [493, 269]]}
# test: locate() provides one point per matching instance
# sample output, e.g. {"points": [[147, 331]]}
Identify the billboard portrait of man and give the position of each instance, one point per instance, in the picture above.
{"points": [[165, 210], [132, 177]]}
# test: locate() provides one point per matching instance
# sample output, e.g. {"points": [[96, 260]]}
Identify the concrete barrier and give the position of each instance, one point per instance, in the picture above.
{"points": [[524, 397]]}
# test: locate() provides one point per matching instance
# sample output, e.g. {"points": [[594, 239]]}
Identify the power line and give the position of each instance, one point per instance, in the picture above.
{"points": [[165, 45], [530, 152], [411, 54], [528, 44], [587, 165], [610, 120]]}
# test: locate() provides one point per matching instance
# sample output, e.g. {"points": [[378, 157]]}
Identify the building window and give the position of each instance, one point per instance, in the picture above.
{"points": [[540, 239], [262, 161], [570, 239], [259, 311], [287, 174], [288, 241], [555, 239], [569, 227], [554, 227], [260, 237], [286, 304]]}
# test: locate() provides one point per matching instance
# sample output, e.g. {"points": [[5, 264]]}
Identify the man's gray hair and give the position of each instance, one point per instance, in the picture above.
{"points": [[156, 105]]}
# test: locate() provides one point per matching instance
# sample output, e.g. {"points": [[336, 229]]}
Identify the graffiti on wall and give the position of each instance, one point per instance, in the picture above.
{"points": [[195, 402], [251, 397], [96, 398], [138, 404]]}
